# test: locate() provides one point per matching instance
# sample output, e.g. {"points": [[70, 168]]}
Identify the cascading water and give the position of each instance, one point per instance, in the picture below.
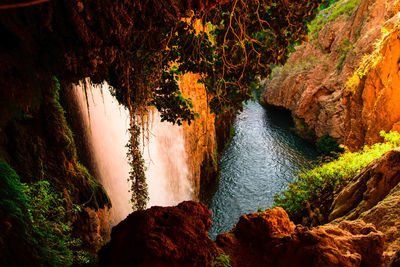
{"points": [[167, 172], [108, 123]]}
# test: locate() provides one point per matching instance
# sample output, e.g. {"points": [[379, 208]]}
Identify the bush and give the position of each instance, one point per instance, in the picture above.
{"points": [[221, 261], [40, 223], [315, 185], [328, 146], [331, 12]]}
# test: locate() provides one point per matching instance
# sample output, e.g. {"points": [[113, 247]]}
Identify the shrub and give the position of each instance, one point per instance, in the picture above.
{"points": [[314, 185], [328, 146], [346, 48], [39, 221], [331, 12], [221, 261]]}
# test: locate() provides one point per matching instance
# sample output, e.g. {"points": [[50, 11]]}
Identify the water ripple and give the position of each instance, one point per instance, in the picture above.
{"points": [[262, 158]]}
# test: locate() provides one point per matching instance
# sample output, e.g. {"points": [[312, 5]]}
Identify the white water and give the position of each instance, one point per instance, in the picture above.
{"points": [[167, 172], [108, 135], [165, 158]]}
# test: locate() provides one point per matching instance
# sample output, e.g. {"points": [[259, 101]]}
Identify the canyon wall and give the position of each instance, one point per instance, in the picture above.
{"points": [[313, 82], [205, 137]]}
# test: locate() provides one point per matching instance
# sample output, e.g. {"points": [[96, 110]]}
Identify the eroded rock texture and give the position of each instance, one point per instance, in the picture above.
{"points": [[374, 197], [177, 236], [312, 83], [169, 236]]}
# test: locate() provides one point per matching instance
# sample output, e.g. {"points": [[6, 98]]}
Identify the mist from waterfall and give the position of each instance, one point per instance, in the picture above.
{"points": [[167, 172]]}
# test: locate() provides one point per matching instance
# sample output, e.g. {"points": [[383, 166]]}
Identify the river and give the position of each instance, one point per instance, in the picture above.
{"points": [[263, 156]]}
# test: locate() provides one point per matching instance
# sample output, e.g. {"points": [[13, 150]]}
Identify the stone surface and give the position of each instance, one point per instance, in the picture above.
{"points": [[347, 244], [177, 236], [162, 236], [374, 197], [374, 104], [312, 83]]}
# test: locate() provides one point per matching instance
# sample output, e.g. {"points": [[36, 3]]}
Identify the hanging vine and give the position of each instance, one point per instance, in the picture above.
{"points": [[141, 47]]}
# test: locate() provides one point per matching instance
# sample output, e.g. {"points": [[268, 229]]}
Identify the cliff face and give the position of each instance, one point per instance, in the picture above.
{"points": [[312, 83], [205, 137], [374, 197], [177, 236], [372, 97]]}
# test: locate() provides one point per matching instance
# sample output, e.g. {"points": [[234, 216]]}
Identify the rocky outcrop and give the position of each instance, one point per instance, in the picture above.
{"points": [[170, 236], [312, 83], [205, 137], [177, 236], [374, 197], [372, 96]]}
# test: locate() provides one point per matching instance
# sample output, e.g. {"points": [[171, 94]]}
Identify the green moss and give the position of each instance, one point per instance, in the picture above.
{"points": [[331, 12], [221, 261], [294, 68], [317, 185], [232, 133]]}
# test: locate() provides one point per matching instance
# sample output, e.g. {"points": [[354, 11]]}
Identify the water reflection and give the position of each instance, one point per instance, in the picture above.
{"points": [[263, 156]]}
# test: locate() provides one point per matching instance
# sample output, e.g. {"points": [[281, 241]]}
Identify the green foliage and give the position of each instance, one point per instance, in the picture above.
{"points": [[331, 12], [243, 39], [221, 261], [51, 228], [13, 201], [323, 180], [38, 215], [301, 129], [139, 191], [328, 146], [346, 48]]}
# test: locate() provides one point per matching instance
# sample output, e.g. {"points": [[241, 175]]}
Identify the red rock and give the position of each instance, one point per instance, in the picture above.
{"points": [[312, 84], [177, 236], [162, 236], [347, 244]]}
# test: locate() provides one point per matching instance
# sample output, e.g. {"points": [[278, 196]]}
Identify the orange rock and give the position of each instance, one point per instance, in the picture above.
{"points": [[374, 197], [312, 83], [177, 236]]}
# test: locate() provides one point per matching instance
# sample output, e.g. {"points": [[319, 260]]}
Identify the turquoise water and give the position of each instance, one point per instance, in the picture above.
{"points": [[263, 156]]}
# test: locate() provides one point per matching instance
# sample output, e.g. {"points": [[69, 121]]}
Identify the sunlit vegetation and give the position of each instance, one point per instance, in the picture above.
{"points": [[369, 61], [317, 185], [330, 12], [38, 218], [221, 261], [294, 68]]}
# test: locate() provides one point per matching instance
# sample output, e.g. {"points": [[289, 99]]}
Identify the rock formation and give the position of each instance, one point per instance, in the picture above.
{"points": [[372, 96], [374, 197], [205, 137], [170, 236], [313, 81], [177, 236]]}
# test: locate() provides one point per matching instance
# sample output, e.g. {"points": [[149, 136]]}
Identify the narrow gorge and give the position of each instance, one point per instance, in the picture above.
{"points": [[200, 133]]}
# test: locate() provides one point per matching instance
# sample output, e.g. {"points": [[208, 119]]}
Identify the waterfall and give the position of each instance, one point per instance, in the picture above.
{"points": [[107, 123], [167, 172]]}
